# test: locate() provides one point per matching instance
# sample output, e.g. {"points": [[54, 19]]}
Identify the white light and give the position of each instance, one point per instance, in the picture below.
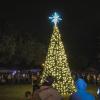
{"points": [[55, 18], [98, 91], [14, 72]]}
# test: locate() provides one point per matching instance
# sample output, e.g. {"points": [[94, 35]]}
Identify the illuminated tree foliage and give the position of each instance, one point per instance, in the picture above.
{"points": [[56, 65]]}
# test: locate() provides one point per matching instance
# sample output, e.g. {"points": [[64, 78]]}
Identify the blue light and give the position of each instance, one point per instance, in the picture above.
{"points": [[55, 18]]}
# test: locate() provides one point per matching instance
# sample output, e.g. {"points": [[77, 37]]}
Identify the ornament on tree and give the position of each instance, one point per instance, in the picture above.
{"points": [[55, 18]]}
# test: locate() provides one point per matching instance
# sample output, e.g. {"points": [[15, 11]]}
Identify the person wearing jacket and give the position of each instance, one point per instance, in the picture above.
{"points": [[81, 93], [46, 91]]}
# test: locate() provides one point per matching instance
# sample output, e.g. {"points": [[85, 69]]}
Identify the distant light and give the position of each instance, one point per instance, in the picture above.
{"points": [[55, 18], [14, 72], [23, 75], [98, 91]]}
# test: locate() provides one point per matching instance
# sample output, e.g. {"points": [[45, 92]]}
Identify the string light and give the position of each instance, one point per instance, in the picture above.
{"points": [[56, 63]]}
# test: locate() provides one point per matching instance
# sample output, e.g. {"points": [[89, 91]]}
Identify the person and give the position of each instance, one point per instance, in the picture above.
{"points": [[81, 93], [35, 82], [46, 91], [28, 95], [98, 79]]}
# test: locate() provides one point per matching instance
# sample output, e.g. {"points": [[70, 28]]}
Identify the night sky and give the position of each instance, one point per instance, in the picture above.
{"points": [[79, 27]]}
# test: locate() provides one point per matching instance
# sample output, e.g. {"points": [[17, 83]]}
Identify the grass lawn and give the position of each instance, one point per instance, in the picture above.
{"points": [[13, 92], [16, 92]]}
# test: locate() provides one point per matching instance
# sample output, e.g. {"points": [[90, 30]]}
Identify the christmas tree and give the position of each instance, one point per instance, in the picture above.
{"points": [[56, 63]]}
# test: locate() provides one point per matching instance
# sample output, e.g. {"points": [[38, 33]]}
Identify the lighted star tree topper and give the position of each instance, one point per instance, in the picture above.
{"points": [[55, 18], [56, 64]]}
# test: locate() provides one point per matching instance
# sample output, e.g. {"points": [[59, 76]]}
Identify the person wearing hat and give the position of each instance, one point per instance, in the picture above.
{"points": [[81, 93], [46, 91]]}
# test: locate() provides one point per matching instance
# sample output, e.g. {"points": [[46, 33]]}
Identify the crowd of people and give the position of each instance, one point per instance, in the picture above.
{"points": [[22, 77], [15, 77], [46, 91], [89, 77]]}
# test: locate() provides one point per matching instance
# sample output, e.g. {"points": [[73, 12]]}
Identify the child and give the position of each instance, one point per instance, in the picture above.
{"points": [[28, 95]]}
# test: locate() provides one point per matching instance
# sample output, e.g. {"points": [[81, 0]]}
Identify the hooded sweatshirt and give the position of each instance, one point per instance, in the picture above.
{"points": [[81, 93]]}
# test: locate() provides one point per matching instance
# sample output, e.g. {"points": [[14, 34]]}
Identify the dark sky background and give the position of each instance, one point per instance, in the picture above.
{"points": [[79, 27]]}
